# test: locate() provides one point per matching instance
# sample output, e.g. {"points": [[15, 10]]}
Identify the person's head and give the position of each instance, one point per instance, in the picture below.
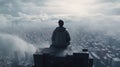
{"points": [[61, 23]]}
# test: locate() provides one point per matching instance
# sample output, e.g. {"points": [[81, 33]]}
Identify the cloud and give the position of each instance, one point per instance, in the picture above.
{"points": [[40, 6], [109, 1], [9, 7], [107, 8], [14, 44], [56, 7], [13, 7], [113, 11]]}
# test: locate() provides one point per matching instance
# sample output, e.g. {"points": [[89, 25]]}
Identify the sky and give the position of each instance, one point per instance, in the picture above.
{"points": [[102, 14], [34, 9]]}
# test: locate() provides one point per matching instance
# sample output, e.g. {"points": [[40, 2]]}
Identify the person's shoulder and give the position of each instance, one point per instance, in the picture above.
{"points": [[64, 28], [60, 28], [56, 28]]}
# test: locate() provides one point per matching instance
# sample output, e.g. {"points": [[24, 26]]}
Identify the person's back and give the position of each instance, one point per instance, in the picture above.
{"points": [[60, 37]]}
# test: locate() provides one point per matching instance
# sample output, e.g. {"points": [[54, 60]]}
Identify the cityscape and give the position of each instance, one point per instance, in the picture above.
{"points": [[100, 47]]}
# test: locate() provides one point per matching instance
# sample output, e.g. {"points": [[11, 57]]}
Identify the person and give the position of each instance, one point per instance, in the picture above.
{"points": [[60, 37]]}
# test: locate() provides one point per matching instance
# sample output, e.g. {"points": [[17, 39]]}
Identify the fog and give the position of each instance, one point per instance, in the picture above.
{"points": [[11, 43]]}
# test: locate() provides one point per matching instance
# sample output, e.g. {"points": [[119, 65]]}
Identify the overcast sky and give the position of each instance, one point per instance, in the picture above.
{"points": [[31, 11], [57, 7]]}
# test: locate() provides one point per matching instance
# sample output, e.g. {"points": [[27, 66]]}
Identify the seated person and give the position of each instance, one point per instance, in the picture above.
{"points": [[60, 36]]}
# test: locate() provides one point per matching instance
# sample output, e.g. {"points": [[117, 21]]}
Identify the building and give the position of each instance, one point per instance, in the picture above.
{"points": [[115, 62], [62, 60]]}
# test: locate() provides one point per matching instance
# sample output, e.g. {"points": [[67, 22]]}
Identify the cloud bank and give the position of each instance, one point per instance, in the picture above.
{"points": [[9, 44]]}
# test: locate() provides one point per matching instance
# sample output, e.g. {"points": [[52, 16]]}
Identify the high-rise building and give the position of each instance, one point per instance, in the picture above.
{"points": [[81, 59]]}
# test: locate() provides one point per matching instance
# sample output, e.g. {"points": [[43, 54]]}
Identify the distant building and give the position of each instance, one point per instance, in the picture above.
{"points": [[97, 62], [109, 59], [115, 62]]}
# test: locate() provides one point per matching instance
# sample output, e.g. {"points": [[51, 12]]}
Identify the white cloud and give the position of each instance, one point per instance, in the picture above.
{"points": [[3, 19], [107, 8], [108, 1], [65, 7], [14, 44]]}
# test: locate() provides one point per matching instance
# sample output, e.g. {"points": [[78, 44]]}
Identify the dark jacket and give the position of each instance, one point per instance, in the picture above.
{"points": [[60, 37]]}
